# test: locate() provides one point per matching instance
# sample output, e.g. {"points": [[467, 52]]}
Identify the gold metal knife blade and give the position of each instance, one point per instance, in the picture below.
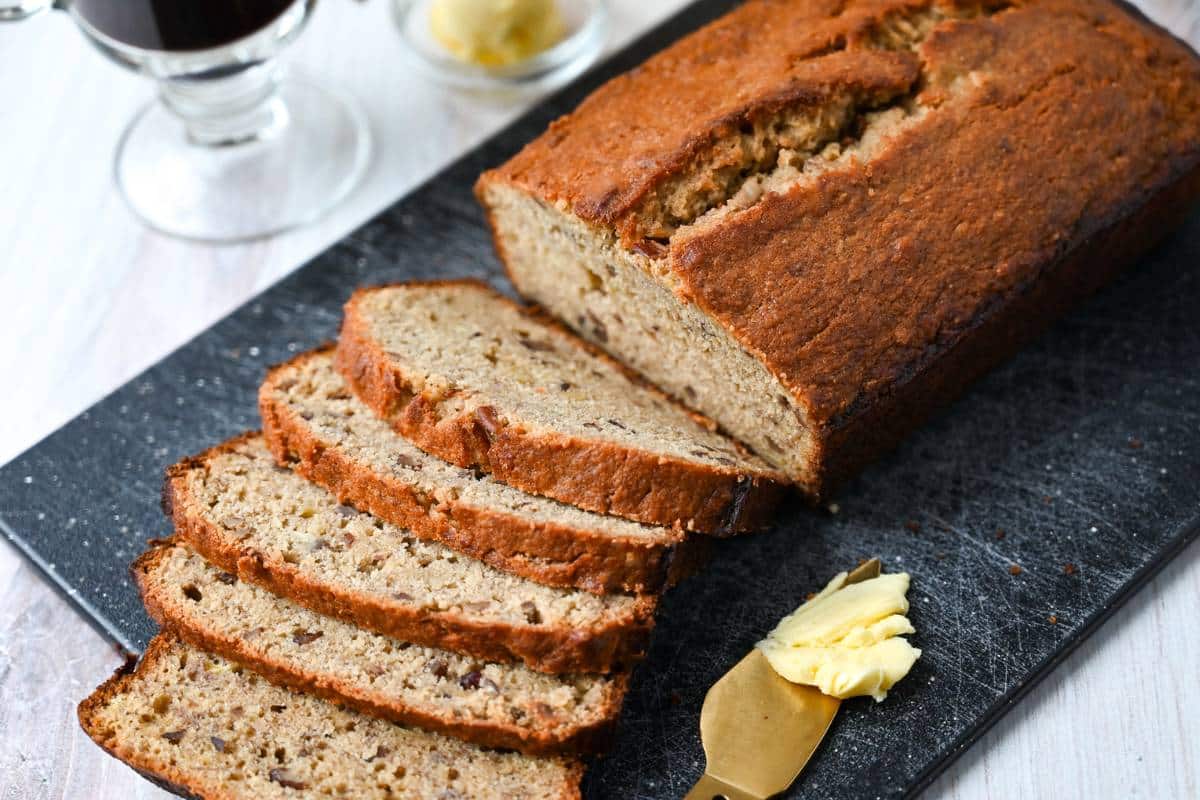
{"points": [[760, 730]]}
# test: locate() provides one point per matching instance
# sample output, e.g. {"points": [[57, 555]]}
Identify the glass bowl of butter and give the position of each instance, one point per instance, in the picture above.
{"points": [[502, 45]]}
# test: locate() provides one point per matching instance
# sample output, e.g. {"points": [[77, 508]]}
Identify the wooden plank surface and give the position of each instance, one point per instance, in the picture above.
{"points": [[91, 298]]}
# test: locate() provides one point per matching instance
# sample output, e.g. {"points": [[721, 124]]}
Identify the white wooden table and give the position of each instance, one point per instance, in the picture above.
{"points": [[90, 298]]}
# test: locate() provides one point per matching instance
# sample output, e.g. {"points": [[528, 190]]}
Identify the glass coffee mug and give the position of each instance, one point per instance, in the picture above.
{"points": [[233, 149]]}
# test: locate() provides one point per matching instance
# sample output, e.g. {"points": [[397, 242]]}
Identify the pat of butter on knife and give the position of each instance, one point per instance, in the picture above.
{"points": [[846, 641]]}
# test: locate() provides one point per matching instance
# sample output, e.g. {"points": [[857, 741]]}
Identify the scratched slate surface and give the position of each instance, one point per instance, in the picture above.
{"points": [[1083, 450]]}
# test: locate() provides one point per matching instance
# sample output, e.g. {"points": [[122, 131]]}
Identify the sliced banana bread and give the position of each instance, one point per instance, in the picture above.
{"points": [[821, 220], [314, 423], [201, 726], [481, 382], [270, 526], [488, 703]]}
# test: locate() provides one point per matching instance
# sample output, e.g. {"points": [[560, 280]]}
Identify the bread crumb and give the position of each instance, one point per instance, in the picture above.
{"points": [[1052, 619], [1135, 443], [1000, 534], [1069, 569], [913, 525], [1014, 570]]}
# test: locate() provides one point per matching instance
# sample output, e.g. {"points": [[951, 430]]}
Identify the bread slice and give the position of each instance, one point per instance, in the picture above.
{"points": [[202, 726], [314, 423], [269, 526], [488, 703], [483, 383], [849, 211]]}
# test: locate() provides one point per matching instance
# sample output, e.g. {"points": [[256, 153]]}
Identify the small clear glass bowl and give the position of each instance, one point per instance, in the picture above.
{"points": [[587, 29]]}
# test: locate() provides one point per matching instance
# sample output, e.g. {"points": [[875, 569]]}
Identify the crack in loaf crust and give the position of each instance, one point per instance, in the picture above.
{"points": [[376, 580], [528, 536], [489, 704], [200, 726], [486, 415], [851, 286]]}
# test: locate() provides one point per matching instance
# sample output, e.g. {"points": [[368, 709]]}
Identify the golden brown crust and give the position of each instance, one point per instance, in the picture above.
{"points": [[589, 738], [542, 551], [969, 244], [541, 647], [595, 475], [167, 776], [673, 111], [985, 235], [1085, 269], [1033, 128]]}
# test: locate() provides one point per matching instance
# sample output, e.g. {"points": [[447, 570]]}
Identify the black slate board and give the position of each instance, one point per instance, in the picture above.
{"points": [[1083, 450]]}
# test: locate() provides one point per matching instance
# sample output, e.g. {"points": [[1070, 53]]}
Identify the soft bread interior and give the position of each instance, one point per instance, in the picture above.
{"points": [[618, 300], [211, 727], [306, 649], [461, 345]]}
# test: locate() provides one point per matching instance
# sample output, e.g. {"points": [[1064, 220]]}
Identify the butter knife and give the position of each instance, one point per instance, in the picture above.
{"points": [[760, 730]]}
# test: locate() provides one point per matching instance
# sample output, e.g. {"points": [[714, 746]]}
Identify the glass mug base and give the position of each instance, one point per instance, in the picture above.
{"points": [[286, 174]]}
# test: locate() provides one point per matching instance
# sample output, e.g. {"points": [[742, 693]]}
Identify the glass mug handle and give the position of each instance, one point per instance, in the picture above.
{"points": [[15, 10]]}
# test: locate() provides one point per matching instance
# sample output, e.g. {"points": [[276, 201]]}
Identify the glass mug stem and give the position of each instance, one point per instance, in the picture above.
{"points": [[232, 150], [241, 107]]}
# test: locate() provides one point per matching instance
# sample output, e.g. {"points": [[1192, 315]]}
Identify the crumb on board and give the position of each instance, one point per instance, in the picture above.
{"points": [[1052, 619], [1014, 570], [1135, 443], [913, 525], [1000, 534], [1069, 569]]}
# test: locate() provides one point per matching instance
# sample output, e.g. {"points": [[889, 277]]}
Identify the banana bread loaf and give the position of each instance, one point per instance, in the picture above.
{"points": [[314, 424], [472, 377], [489, 703], [201, 726], [817, 220], [267, 525]]}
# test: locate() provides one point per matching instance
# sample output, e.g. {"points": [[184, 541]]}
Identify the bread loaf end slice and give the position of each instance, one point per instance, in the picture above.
{"points": [[202, 726], [493, 704]]}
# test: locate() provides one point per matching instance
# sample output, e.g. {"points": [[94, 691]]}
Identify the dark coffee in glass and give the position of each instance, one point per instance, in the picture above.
{"points": [[178, 24]]}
